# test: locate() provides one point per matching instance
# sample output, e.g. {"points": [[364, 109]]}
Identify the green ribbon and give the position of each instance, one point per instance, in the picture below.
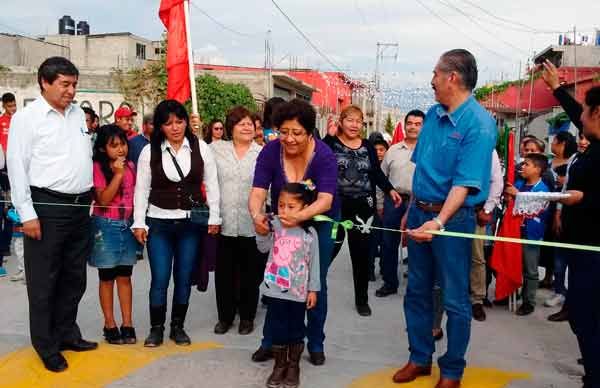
{"points": [[347, 224]]}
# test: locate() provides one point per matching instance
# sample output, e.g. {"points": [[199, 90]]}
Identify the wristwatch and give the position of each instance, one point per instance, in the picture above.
{"points": [[440, 223]]}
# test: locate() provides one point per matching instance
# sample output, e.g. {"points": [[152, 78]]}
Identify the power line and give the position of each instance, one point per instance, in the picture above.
{"points": [[223, 26], [322, 54], [508, 21], [481, 45], [476, 22]]}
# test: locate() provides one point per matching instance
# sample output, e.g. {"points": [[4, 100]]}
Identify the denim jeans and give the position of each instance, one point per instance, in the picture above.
{"points": [[560, 271], [316, 316], [391, 242], [172, 245], [445, 262], [584, 310], [531, 260], [286, 320]]}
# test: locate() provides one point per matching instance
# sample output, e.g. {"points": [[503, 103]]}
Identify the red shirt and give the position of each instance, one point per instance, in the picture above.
{"points": [[4, 126]]}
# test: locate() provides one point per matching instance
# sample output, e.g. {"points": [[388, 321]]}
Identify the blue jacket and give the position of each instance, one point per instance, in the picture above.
{"points": [[533, 228]]}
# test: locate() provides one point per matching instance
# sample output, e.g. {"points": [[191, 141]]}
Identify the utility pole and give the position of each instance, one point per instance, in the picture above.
{"points": [[269, 64], [381, 55]]}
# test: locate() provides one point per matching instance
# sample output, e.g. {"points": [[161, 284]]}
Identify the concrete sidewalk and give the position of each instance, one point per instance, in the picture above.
{"points": [[355, 347]]}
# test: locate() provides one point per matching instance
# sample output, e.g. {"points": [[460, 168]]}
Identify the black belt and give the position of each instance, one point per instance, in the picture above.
{"points": [[83, 198]]}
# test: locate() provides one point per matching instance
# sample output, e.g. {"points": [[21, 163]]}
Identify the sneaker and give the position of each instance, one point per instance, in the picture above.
{"points": [[3, 272], [555, 300], [18, 276]]}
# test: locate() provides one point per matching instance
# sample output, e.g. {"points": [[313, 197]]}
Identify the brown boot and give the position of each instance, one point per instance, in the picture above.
{"points": [[292, 377], [410, 372], [276, 378], [447, 383]]}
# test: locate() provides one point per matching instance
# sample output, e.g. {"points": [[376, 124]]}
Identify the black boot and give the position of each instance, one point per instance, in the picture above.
{"points": [[177, 334], [158, 315]]}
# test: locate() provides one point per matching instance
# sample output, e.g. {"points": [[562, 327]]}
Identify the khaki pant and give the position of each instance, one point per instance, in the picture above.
{"points": [[478, 285]]}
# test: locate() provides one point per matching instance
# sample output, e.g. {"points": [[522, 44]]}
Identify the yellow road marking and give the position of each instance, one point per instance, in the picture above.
{"points": [[23, 368], [473, 378]]}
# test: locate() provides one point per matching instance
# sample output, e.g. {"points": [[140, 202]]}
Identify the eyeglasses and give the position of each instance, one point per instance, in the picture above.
{"points": [[217, 128]]}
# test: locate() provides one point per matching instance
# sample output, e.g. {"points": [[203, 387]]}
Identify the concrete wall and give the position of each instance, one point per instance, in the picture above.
{"points": [[22, 51], [586, 55], [105, 51], [97, 91]]}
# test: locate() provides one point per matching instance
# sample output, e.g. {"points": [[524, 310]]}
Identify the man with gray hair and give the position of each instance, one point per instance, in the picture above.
{"points": [[137, 143], [453, 164]]}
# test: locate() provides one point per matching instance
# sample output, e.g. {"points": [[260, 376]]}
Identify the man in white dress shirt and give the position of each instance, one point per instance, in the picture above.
{"points": [[50, 161]]}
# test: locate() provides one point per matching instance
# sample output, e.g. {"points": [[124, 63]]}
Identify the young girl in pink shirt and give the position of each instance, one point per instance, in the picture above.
{"points": [[114, 251]]}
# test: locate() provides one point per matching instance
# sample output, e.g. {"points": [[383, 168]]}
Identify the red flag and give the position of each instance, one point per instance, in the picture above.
{"points": [[507, 257], [172, 15], [398, 134]]}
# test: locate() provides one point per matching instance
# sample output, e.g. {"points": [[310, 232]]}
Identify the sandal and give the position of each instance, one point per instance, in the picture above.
{"points": [[113, 336], [128, 335]]}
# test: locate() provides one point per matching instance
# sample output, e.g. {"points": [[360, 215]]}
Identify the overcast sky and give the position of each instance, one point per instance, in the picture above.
{"points": [[345, 30]]}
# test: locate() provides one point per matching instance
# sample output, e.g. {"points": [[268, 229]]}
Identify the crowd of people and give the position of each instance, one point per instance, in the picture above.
{"points": [[255, 184]]}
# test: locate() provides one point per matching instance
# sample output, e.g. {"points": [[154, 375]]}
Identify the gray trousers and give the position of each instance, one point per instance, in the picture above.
{"points": [[531, 258]]}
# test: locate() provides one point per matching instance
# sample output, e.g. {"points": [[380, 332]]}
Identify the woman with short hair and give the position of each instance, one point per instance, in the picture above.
{"points": [[239, 265]]}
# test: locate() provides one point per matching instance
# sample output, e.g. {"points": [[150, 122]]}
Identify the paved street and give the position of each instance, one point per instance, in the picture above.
{"points": [[361, 352]]}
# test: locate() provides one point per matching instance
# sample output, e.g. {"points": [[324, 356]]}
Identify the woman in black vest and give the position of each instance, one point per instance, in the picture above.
{"points": [[171, 172]]}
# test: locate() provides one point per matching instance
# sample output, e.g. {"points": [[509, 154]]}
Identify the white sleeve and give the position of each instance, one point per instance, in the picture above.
{"points": [[385, 163], [211, 183], [19, 148], [496, 186], [142, 190]]}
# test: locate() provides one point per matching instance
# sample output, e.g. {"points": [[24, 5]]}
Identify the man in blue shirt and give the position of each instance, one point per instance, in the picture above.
{"points": [[453, 164], [137, 143]]}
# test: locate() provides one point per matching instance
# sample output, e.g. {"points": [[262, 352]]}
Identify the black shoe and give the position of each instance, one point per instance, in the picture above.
{"points": [[55, 363], [113, 336], [487, 303], [478, 312], [79, 345], [128, 335], [262, 355], [561, 316], [363, 310], [179, 336], [385, 291], [525, 309], [155, 338], [439, 336], [222, 327], [501, 302], [317, 358], [246, 327]]}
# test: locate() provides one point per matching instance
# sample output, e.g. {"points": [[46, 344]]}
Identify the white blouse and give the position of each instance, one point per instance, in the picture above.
{"points": [[143, 209], [235, 180]]}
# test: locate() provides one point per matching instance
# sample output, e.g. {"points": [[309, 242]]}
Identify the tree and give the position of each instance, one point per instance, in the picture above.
{"points": [[216, 98], [389, 125]]}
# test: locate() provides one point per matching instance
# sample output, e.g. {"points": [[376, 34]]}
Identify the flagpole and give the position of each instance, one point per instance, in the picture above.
{"points": [[186, 11]]}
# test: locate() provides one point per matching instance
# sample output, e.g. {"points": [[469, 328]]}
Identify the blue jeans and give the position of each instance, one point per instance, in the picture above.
{"points": [[391, 242], [286, 320], [560, 271], [316, 316], [445, 262], [172, 244]]}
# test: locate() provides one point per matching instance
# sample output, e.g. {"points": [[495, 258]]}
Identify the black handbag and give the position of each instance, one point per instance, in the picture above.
{"points": [[199, 212]]}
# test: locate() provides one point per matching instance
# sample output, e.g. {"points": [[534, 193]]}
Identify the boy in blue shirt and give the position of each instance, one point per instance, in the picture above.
{"points": [[532, 228]]}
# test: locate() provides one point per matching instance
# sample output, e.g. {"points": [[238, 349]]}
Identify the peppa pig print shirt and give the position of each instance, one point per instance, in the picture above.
{"points": [[293, 266]]}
